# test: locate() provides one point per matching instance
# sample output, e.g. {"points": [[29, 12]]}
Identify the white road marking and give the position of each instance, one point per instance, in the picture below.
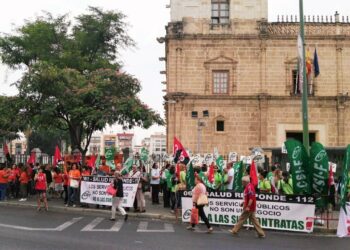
{"points": [[59, 228], [143, 225], [91, 226]]}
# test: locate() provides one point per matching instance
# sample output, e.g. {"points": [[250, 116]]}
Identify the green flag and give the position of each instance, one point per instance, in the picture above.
{"points": [[298, 159], [98, 161], [144, 155], [127, 166], [238, 174], [345, 179], [205, 180], [220, 163], [109, 154], [319, 178], [190, 177]]}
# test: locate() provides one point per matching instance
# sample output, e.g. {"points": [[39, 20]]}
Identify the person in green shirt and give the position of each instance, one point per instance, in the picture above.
{"points": [[264, 183], [286, 184], [217, 178]]}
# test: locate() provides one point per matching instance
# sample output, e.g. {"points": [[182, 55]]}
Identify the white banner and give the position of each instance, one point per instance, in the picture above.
{"points": [[279, 212], [344, 222], [93, 190]]}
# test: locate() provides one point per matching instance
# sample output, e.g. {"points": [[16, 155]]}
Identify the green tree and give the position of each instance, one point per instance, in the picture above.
{"points": [[73, 80], [11, 117]]}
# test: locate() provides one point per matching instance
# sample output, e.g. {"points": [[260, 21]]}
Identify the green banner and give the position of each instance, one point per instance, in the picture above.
{"points": [[144, 155], [205, 181], [220, 163], [190, 177], [109, 154], [345, 179], [298, 159], [320, 170], [127, 166], [237, 180]]}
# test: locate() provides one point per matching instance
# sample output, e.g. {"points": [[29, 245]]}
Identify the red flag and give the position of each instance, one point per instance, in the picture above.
{"points": [[91, 161], [253, 174], [211, 173], [57, 156], [7, 153], [180, 153], [32, 158]]}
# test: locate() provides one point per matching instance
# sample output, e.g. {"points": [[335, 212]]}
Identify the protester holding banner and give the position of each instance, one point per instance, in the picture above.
{"points": [[286, 184], [249, 208], [117, 199], [104, 169], [197, 193], [40, 188], [217, 178], [264, 183], [73, 191]]}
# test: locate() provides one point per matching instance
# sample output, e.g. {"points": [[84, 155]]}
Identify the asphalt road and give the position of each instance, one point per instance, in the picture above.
{"points": [[23, 228]]}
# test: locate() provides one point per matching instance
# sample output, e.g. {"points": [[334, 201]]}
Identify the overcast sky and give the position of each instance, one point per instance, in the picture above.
{"points": [[147, 19]]}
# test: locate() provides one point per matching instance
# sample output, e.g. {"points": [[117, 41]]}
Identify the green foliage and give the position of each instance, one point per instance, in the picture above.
{"points": [[73, 80], [47, 139], [11, 117]]}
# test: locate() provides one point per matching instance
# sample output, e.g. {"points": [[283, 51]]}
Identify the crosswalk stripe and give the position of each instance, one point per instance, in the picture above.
{"points": [[91, 226], [143, 225], [59, 228]]}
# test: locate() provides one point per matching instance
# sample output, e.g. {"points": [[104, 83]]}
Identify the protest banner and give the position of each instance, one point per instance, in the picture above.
{"points": [[279, 212], [343, 229], [93, 190]]}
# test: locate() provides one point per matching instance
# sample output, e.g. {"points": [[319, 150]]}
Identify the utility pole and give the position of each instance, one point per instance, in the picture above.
{"points": [[305, 115]]}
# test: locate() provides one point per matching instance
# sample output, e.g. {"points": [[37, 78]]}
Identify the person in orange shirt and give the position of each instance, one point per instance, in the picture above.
{"points": [[86, 171], [58, 182], [73, 182], [23, 180], [11, 182], [104, 169], [4, 174]]}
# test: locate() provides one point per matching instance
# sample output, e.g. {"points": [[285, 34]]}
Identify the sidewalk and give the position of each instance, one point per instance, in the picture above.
{"points": [[57, 205]]}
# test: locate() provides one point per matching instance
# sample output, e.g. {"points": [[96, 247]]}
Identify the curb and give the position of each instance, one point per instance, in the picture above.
{"points": [[155, 216], [322, 230]]}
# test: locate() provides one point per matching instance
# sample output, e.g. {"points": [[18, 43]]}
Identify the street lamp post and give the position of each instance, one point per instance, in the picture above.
{"points": [[305, 117], [200, 126]]}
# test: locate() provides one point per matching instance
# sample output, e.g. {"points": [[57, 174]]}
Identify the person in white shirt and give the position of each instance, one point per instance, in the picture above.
{"points": [[155, 183], [230, 173]]}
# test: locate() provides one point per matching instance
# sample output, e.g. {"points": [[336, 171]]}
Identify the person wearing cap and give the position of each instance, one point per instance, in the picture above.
{"points": [[249, 209], [117, 200]]}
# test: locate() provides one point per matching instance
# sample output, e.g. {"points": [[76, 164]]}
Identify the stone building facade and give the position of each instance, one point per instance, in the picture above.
{"points": [[225, 58]]}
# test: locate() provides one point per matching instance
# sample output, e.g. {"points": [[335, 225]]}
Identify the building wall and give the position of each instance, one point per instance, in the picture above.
{"points": [[260, 106]]}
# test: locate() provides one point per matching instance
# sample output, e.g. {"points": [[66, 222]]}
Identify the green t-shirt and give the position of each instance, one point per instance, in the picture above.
{"points": [[168, 180], [217, 180], [287, 187], [224, 180], [265, 186], [183, 177], [269, 176]]}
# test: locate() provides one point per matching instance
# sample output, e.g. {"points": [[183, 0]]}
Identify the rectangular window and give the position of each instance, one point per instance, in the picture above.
{"points": [[220, 82], [220, 126], [220, 13]]}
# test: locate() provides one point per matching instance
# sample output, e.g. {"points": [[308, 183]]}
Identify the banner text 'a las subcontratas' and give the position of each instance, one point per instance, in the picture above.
{"points": [[279, 212]]}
